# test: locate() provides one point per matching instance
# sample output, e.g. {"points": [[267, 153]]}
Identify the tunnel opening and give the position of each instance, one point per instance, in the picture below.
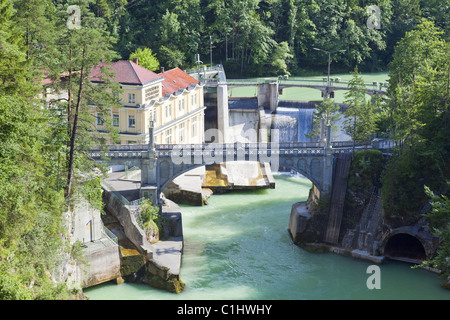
{"points": [[404, 246]]}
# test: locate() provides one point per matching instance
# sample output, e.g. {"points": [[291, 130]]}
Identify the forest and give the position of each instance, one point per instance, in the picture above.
{"points": [[269, 37], [44, 163]]}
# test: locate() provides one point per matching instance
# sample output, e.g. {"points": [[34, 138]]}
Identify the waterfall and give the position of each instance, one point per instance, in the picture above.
{"points": [[293, 123], [294, 120]]}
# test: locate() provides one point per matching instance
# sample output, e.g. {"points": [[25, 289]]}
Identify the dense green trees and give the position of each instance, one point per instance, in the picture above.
{"points": [[43, 163], [249, 35], [146, 58], [418, 117]]}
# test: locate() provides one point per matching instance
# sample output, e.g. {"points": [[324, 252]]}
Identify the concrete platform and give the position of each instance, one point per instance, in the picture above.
{"points": [[168, 252]]}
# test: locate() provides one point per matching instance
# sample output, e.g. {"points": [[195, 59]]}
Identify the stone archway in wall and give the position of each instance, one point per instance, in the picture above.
{"points": [[405, 247]]}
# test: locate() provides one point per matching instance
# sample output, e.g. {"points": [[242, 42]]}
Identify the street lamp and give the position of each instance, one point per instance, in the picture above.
{"points": [[329, 60], [210, 50]]}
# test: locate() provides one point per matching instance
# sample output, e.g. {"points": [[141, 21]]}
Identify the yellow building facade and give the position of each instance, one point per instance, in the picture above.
{"points": [[171, 101]]}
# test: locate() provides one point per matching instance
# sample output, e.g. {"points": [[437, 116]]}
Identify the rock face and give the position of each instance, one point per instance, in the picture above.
{"points": [[371, 236], [366, 234], [361, 230]]}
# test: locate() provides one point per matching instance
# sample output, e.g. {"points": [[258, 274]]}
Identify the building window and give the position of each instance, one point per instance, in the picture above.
{"points": [[169, 136], [168, 111], [131, 142], [115, 119], [153, 117], [100, 119], [131, 97], [131, 121], [194, 127], [181, 133]]}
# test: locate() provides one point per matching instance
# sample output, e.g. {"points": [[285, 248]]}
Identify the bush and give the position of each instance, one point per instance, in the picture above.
{"points": [[406, 175], [365, 170], [150, 217]]}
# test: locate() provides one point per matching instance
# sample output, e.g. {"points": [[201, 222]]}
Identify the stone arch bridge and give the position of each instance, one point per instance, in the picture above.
{"points": [[160, 164]]}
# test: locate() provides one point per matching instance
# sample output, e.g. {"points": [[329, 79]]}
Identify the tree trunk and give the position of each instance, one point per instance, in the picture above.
{"points": [[74, 129]]}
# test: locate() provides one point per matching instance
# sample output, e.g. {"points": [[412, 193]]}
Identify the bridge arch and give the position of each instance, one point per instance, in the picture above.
{"points": [[311, 169], [176, 172], [298, 165]]}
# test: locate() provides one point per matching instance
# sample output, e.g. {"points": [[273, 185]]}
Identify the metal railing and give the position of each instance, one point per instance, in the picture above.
{"points": [[110, 235], [116, 194]]}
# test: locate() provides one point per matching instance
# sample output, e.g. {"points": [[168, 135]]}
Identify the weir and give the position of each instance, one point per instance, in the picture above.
{"points": [[294, 124]]}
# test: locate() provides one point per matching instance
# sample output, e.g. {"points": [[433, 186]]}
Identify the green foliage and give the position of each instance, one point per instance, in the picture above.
{"points": [[419, 64], [170, 58], [439, 218], [404, 179], [326, 112], [34, 144], [146, 58], [31, 224], [248, 35], [360, 123], [150, 217], [418, 109], [365, 170]]}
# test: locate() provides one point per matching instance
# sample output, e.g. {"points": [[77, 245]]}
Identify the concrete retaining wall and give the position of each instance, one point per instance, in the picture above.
{"points": [[101, 266], [128, 221]]}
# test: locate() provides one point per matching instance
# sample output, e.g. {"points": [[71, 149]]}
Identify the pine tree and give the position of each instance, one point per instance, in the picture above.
{"points": [[82, 43], [327, 113], [360, 121]]}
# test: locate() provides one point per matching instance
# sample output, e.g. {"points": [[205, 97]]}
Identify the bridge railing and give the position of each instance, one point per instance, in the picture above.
{"points": [[167, 150], [334, 83], [279, 145]]}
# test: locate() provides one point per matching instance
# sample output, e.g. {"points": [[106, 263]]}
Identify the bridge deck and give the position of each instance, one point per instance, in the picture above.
{"points": [[313, 84]]}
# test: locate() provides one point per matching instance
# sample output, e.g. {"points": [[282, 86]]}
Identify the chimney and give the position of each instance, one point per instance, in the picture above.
{"points": [[162, 69], [135, 60]]}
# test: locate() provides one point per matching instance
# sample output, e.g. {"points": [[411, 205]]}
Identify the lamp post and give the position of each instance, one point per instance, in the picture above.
{"points": [[210, 50], [326, 136], [151, 143], [329, 60]]}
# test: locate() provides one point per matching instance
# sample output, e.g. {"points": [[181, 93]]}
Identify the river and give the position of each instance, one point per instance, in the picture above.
{"points": [[238, 247]]}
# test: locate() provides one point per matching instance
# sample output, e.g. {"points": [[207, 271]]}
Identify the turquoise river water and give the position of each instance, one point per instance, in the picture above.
{"points": [[238, 247]]}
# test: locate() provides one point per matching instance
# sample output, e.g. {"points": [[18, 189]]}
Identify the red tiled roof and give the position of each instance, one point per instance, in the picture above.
{"points": [[126, 72], [175, 79]]}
